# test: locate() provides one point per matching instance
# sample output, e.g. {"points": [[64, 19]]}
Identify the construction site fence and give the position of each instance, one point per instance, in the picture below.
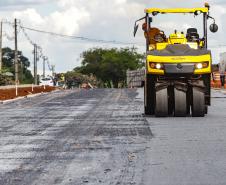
{"points": [[135, 78]]}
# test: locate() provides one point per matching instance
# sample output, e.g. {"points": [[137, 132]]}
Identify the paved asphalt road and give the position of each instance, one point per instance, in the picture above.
{"points": [[101, 137]]}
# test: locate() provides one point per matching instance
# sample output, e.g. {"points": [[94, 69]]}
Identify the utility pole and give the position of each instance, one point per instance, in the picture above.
{"points": [[34, 61], [16, 55], [1, 46], [44, 66], [21, 71], [53, 70], [35, 65]]}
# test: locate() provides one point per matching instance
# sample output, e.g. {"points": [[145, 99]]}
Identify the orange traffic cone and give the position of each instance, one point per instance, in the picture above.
{"points": [[218, 85], [212, 83]]}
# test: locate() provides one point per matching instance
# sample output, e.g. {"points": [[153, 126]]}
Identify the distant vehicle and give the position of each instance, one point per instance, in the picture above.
{"points": [[46, 81]]}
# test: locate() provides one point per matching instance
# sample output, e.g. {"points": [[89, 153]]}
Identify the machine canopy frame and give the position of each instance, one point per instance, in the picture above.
{"points": [[176, 10]]}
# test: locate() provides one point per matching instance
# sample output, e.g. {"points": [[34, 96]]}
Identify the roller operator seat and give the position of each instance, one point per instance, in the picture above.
{"points": [[192, 35]]}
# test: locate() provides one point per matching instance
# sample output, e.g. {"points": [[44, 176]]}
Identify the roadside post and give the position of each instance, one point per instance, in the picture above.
{"points": [[16, 89]]}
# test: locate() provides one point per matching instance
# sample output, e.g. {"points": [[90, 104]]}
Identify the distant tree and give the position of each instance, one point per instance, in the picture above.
{"points": [[25, 75], [110, 65]]}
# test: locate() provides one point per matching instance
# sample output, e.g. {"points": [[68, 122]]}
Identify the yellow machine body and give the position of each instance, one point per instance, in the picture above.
{"points": [[176, 60], [177, 38], [176, 10]]}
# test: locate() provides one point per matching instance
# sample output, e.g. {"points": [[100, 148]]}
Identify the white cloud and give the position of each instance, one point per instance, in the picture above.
{"points": [[65, 22], [69, 21], [30, 16], [21, 2]]}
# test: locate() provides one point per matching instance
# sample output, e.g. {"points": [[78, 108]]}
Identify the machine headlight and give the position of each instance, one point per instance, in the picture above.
{"points": [[156, 65], [199, 66], [202, 65]]}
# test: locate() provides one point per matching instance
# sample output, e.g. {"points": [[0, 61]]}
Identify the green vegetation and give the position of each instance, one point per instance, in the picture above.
{"points": [[25, 76], [5, 80], [110, 65], [75, 79]]}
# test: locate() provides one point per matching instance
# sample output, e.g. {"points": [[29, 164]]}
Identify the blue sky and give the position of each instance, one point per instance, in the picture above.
{"points": [[101, 19]]}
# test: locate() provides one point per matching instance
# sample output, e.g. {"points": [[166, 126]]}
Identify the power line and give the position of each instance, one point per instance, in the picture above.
{"points": [[38, 52], [86, 38], [39, 48], [79, 37]]}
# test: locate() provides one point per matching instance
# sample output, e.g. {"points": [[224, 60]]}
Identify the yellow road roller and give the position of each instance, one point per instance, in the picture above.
{"points": [[178, 66]]}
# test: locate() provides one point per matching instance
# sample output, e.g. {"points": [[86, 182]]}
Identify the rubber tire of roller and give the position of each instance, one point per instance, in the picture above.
{"points": [[180, 109], [161, 106], [198, 104], [206, 109], [149, 108]]}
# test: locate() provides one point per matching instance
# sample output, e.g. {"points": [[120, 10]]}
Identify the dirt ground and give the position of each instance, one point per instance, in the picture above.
{"points": [[6, 94]]}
